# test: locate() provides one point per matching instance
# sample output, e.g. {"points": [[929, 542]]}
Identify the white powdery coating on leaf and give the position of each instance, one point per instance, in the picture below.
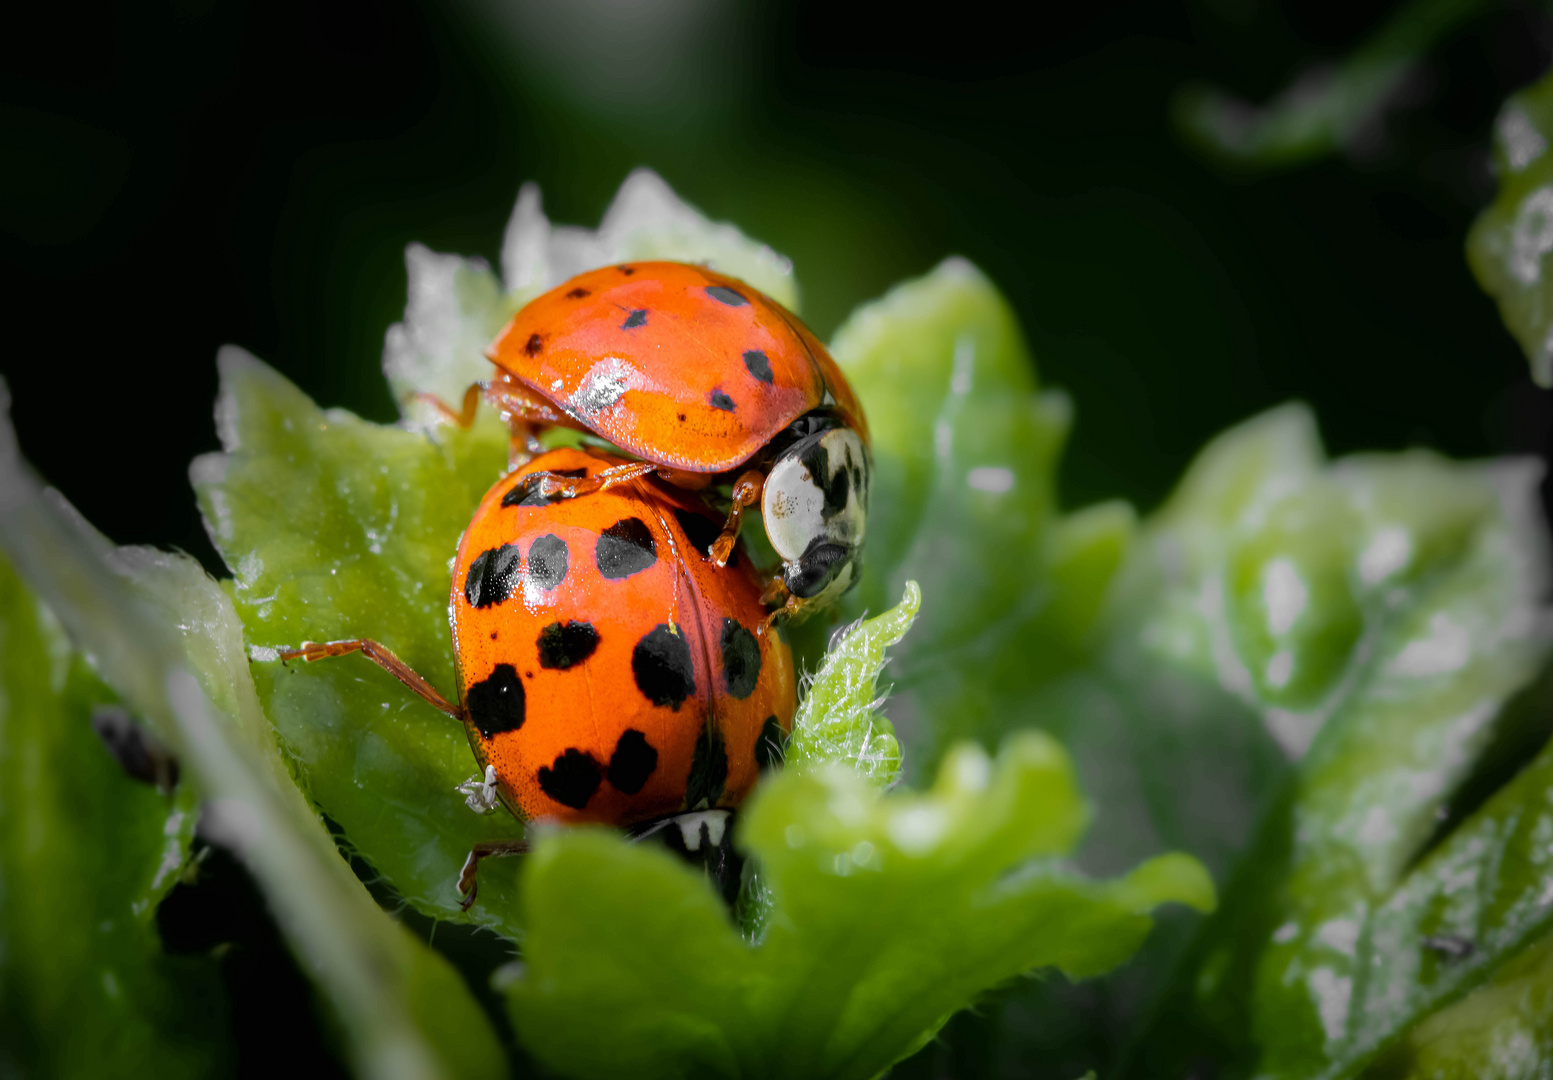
{"points": [[1332, 993], [1285, 594], [1521, 141], [1388, 552], [993, 479], [454, 309], [1531, 236], [916, 830], [1446, 648], [646, 220]]}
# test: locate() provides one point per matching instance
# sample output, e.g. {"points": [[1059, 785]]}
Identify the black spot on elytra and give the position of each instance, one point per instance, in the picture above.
{"points": [[721, 401], [496, 703], [726, 295], [625, 548], [700, 531], [572, 779], [547, 560], [708, 768], [662, 666], [632, 763], [577, 294], [526, 492], [771, 747], [492, 576], [564, 645], [682, 418], [741, 659], [534, 343], [758, 365], [626, 270], [834, 488], [635, 319]]}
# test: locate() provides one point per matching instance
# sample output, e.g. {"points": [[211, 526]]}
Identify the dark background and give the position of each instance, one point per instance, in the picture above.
{"points": [[178, 174], [185, 173]]}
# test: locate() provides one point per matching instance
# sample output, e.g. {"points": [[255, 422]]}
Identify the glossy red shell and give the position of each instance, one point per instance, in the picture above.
{"points": [[675, 364], [610, 672]]}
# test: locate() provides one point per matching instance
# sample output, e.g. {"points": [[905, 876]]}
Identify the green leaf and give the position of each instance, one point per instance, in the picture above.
{"points": [[1382, 611], [1509, 244], [838, 720], [167, 639], [891, 912], [963, 501], [1504, 1029], [339, 528], [86, 855]]}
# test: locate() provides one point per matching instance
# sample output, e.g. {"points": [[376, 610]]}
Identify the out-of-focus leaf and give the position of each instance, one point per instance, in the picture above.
{"points": [[839, 721], [1509, 245], [963, 501], [892, 911], [167, 639], [86, 855], [1503, 1029], [1327, 108], [1382, 611], [457, 306]]}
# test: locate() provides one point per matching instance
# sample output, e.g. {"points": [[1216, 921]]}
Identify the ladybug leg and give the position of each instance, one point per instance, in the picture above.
{"points": [[690, 481], [467, 886], [464, 417], [384, 659], [571, 487], [746, 493], [790, 606]]}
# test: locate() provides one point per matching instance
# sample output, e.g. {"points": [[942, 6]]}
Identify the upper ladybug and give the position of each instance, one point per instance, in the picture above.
{"points": [[704, 379]]}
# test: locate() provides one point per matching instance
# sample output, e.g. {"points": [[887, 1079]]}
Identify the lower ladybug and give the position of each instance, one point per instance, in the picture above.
{"points": [[609, 670]]}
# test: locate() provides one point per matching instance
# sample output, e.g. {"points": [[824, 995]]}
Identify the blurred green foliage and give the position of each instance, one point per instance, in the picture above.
{"points": [[1511, 240], [1329, 107], [86, 855]]}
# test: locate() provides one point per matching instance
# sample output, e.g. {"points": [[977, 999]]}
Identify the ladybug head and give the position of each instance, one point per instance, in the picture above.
{"points": [[815, 508]]}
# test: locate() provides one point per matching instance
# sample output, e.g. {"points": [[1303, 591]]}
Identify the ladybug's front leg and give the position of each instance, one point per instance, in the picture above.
{"points": [[787, 605], [746, 493], [484, 850]]}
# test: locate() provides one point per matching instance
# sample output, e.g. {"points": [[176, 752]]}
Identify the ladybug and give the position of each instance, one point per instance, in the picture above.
{"points": [[608, 670], [706, 381]]}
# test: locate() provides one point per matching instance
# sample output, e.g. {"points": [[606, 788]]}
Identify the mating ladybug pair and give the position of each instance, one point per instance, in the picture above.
{"points": [[615, 654]]}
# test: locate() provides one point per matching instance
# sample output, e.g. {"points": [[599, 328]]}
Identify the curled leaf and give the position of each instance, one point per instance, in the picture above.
{"points": [[839, 719]]}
